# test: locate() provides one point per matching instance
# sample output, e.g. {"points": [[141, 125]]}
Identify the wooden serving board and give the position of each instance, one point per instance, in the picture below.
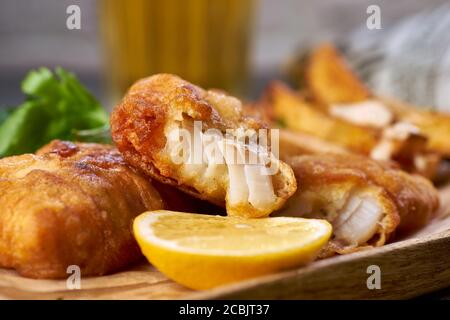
{"points": [[412, 267]]}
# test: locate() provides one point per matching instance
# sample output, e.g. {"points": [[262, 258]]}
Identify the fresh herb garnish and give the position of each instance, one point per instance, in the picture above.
{"points": [[4, 113], [57, 106]]}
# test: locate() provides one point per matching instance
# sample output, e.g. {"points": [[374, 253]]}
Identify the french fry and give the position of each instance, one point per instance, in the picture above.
{"points": [[308, 129], [295, 113], [434, 125], [330, 80], [294, 143], [335, 106]]}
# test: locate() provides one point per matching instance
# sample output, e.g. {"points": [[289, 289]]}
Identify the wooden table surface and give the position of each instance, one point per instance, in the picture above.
{"points": [[409, 269]]}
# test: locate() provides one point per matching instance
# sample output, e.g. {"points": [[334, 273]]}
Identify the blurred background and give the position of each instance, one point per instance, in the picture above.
{"points": [[237, 45]]}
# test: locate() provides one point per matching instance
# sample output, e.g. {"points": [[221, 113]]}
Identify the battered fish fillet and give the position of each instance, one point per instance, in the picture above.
{"points": [[70, 204], [164, 124], [366, 201]]}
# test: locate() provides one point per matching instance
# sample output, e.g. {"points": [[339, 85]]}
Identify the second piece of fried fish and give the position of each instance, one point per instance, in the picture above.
{"points": [[366, 201], [70, 204]]}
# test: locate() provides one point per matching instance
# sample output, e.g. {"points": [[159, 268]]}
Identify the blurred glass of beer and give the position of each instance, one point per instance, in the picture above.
{"points": [[203, 41]]}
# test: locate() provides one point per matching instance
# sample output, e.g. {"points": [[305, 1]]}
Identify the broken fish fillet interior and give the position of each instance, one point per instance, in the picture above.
{"points": [[201, 142], [366, 201]]}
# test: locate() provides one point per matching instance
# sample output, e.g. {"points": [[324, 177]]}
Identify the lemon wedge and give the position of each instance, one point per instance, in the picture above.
{"points": [[202, 251]]}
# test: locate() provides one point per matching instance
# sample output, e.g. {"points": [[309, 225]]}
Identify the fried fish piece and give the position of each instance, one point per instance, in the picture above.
{"points": [[70, 204], [164, 124], [366, 201]]}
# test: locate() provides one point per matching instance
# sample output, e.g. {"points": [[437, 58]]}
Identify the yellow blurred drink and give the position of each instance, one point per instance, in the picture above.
{"points": [[203, 41]]}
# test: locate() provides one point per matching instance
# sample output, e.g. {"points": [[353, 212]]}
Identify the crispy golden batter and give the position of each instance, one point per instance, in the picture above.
{"points": [[70, 204], [365, 200], [155, 107]]}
